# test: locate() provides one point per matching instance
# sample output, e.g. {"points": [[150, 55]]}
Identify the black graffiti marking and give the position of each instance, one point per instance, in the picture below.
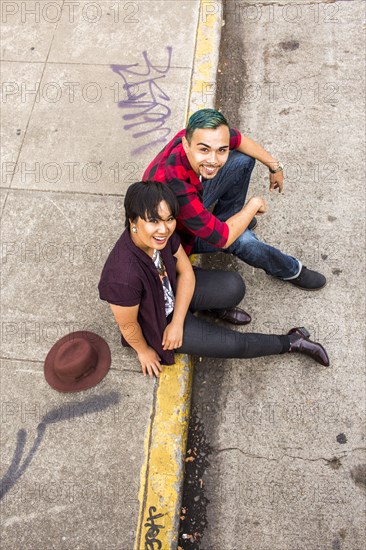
{"points": [[15, 470], [153, 531], [144, 100]]}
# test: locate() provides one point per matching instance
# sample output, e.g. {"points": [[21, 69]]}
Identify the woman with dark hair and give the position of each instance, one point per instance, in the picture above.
{"points": [[153, 292]]}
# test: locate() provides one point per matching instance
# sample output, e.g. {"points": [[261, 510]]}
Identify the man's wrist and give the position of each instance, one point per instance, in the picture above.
{"points": [[275, 166]]}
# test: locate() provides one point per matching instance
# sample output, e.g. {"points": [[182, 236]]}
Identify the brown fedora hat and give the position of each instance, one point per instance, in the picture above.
{"points": [[77, 361]]}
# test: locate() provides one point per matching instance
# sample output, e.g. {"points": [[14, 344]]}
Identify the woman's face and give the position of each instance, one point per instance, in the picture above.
{"points": [[153, 233]]}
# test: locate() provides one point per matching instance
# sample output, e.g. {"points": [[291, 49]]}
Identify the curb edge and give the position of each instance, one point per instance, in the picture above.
{"points": [[162, 474]]}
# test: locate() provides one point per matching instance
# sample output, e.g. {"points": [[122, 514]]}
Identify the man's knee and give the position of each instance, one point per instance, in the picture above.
{"points": [[247, 239], [246, 246], [242, 160]]}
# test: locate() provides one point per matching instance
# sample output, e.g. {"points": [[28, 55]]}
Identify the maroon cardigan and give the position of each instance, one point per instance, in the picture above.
{"points": [[129, 277]]}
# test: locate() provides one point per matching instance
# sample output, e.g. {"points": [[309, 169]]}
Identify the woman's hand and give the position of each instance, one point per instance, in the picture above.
{"points": [[173, 336], [150, 362]]}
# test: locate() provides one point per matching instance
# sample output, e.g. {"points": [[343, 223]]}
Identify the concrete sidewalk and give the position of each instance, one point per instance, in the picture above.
{"points": [[80, 81]]}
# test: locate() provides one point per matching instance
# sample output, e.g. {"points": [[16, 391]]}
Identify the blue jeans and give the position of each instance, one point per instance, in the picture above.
{"points": [[227, 191]]}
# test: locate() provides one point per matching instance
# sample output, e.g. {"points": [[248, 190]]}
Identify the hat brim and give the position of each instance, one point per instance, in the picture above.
{"points": [[102, 367]]}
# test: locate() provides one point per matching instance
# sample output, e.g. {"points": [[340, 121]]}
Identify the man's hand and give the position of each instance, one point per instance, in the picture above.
{"points": [[259, 204], [276, 181], [253, 149], [239, 222], [173, 336], [150, 362]]}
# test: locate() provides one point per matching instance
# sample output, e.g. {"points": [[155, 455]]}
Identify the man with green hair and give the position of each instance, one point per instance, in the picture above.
{"points": [[209, 163]]}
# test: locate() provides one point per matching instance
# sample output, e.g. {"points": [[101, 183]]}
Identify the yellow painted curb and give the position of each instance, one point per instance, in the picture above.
{"points": [[203, 85], [162, 474], [165, 447]]}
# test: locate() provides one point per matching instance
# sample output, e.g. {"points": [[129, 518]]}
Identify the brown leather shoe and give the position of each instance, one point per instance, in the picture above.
{"points": [[302, 344], [233, 315]]}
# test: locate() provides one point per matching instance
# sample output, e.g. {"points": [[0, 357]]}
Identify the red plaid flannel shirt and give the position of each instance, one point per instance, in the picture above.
{"points": [[171, 166]]}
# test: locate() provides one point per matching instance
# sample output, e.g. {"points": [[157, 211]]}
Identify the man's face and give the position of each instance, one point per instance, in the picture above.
{"points": [[208, 150]]}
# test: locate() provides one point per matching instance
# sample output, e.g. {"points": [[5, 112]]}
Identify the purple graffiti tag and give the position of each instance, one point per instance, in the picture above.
{"points": [[145, 96]]}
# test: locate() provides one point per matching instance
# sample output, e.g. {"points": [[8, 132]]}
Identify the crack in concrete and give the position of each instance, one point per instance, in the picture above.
{"points": [[343, 455], [327, 460], [41, 361], [60, 192], [17, 359], [217, 451]]}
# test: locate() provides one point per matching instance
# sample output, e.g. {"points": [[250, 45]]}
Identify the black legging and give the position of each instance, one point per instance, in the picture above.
{"points": [[222, 290]]}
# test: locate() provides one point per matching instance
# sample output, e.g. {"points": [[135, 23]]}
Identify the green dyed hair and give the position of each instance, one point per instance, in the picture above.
{"points": [[204, 118]]}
